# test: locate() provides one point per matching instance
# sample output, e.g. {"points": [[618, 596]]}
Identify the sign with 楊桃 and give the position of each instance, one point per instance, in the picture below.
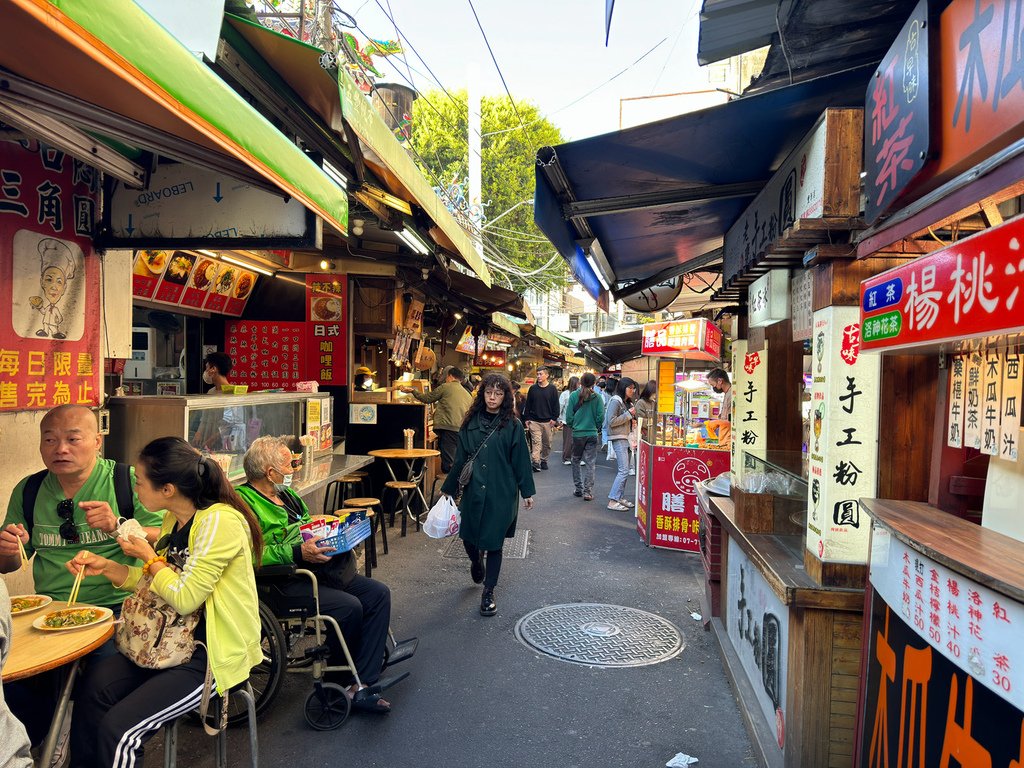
{"points": [[844, 437], [969, 289], [749, 405], [768, 299]]}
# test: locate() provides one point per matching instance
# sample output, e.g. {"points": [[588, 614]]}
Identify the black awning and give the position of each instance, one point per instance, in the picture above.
{"points": [[659, 195], [461, 291], [616, 348]]}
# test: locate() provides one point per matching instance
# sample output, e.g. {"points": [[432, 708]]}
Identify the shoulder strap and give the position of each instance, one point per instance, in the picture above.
{"points": [[123, 495], [28, 497]]}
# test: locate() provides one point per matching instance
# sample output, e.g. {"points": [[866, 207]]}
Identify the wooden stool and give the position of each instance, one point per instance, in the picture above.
{"points": [[337, 491], [369, 502], [404, 488]]}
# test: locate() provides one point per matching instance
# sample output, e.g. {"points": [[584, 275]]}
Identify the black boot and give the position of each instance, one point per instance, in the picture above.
{"points": [[476, 569], [487, 605]]}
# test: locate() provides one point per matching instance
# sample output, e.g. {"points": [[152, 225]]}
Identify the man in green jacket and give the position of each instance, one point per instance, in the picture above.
{"points": [[451, 401]]}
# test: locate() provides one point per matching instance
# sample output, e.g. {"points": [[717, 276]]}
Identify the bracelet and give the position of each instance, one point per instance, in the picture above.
{"points": [[152, 561]]}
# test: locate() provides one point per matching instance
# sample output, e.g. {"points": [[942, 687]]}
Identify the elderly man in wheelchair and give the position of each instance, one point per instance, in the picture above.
{"points": [[308, 589]]}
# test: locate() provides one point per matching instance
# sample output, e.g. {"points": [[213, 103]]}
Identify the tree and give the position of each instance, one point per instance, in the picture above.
{"points": [[439, 141]]}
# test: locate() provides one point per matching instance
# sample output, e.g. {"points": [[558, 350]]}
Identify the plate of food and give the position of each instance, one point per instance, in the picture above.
{"points": [[225, 280], [179, 268], [326, 309], [79, 617], [155, 261], [244, 285], [28, 603], [204, 274]]}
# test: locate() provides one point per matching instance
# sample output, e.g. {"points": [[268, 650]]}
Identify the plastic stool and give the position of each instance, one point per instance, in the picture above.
{"points": [[171, 735], [404, 489], [369, 502]]}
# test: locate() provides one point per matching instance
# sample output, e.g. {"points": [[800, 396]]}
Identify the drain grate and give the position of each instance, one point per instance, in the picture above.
{"points": [[515, 548], [600, 635]]}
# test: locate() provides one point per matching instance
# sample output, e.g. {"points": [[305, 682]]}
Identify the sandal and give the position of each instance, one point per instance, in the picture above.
{"points": [[588, 497], [615, 506], [626, 503], [364, 701]]}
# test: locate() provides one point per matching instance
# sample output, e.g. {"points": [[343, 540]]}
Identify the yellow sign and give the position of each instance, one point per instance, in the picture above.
{"points": [[666, 386]]}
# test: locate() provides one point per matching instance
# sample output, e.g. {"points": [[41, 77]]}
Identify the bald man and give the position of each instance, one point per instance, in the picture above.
{"points": [[75, 509]]}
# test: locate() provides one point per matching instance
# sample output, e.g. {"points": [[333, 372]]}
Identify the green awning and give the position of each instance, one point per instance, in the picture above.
{"points": [[505, 323], [149, 62]]}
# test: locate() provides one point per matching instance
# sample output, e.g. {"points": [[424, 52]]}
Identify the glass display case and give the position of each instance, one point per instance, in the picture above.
{"points": [[780, 478], [222, 426]]}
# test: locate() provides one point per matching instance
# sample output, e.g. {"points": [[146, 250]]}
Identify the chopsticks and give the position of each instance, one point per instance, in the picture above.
{"points": [[21, 550], [73, 595]]}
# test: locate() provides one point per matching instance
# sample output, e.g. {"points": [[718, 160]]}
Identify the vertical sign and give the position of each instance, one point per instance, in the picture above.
{"points": [[844, 437], [666, 386], [972, 401], [957, 398], [267, 355], [643, 470], [327, 329], [749, 404], [49, 280], [803, 306], [1009, 425], [992, 382], [896, 116]]}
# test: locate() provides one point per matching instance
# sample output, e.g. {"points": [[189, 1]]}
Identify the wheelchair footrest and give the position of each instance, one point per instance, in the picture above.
{"points": [[321, 651], [404, 649], [387, 682]]}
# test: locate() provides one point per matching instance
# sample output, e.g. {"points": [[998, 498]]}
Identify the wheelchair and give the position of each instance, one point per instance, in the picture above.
{"points": [[293, 639]]}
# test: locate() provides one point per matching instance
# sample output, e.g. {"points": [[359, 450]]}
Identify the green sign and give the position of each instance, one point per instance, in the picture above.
{"points": [[884, 326]]}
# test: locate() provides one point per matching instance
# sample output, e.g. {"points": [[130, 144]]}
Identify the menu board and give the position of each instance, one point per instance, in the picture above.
{"points": [[327, 313], [267, 355], [192, 280]]}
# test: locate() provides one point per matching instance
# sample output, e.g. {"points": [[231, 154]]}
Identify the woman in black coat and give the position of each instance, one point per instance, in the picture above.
{"points": [[501, 474]]}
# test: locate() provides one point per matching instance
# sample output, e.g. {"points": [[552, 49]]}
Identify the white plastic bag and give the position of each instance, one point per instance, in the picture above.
{"points": [[443, 519]]}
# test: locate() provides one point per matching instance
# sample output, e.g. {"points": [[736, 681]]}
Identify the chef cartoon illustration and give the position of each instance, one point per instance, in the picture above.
{"points": [[57, 270]]}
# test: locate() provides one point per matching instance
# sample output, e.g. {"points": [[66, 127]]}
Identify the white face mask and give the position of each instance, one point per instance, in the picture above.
{"points": [[286, 482], [208, 377]]}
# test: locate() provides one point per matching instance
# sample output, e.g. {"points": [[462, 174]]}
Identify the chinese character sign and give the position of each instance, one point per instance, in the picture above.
{"points": [[749, 404], [844, 437], [969, 289], [1009, 425], [643, 495], [327, 329], [267, 355], [984, 399], [672, 513], [896, 118], [49, 279], [695, 339]]}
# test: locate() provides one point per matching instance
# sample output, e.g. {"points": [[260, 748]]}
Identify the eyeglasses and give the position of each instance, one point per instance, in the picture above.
{"points": [[66, 512]]}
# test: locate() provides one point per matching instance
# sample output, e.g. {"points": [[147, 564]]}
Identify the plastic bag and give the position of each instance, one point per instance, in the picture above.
{"points": [[443, 519]]}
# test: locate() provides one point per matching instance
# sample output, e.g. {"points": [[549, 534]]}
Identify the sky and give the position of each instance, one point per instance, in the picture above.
{"points": [[551, 52]]}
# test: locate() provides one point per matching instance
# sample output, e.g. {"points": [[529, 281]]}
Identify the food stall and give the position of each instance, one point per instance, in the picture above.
{"points": [[684, 445]]}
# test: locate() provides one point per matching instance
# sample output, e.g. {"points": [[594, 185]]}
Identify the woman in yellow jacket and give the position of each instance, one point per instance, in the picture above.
{"points": [[203, 560]]}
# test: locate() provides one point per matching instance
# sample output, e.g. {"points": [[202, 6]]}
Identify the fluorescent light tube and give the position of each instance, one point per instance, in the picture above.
{"points": [[244, 265]]}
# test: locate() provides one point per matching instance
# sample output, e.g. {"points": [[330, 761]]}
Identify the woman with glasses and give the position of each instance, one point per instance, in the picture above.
{"points": [[203, 561], [361, 606], [495, 439]]}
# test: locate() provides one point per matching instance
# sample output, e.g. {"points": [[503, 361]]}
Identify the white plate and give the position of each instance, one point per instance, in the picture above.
{"points": [[105, 613], [46, 601]]}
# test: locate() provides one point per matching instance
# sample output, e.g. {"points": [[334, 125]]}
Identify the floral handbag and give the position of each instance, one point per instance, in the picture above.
{"points": [[152, 633]]}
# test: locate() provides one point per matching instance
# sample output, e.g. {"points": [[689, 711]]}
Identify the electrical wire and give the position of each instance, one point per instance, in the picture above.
{"points": [[495, 60], [689, 16]]}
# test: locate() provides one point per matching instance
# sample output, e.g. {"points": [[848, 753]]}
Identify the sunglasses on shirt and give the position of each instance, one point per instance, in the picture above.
{"points": [[68, 529]]}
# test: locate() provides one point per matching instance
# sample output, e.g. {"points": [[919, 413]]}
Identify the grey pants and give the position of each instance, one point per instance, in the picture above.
{"points": [[584, 449]]}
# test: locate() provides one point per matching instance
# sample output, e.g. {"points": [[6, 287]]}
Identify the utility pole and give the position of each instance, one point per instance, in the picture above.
{"points": [[474, 196]]}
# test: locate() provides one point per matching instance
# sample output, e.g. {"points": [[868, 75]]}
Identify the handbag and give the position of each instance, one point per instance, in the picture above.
{"points": [[152, 633], [466, 474]]}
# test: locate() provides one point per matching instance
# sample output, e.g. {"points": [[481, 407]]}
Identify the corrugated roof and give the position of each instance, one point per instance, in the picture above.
{"points": [[731, 27]]}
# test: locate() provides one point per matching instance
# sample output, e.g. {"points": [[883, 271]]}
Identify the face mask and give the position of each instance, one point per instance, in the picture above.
{"points": [[207, 377], [286, 483]]}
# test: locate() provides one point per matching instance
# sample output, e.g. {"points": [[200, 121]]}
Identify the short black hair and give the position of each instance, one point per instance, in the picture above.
{"points": [[456, 373], [543, 368], [220, 361]]}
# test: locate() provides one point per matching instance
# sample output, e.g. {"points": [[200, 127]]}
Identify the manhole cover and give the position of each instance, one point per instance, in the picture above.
{"points": [[600, 635], [514, 549]]}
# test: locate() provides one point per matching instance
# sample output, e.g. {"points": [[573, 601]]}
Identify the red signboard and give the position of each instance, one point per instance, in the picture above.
{"points": [[673, 514], [896, 124], [49, 280], [326, 329], [968, 289], [695, 339], [267, 355], [643, 500], [191, 280]]}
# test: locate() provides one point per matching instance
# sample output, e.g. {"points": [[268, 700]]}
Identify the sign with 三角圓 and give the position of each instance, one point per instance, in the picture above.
{"points": [[189, 207]]}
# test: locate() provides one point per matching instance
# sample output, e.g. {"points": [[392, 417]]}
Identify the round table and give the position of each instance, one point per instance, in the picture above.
{"points": [[34, 651], [410, 456]]}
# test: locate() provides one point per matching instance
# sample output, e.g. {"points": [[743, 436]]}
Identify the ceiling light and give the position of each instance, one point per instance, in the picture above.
{"points": [[326, 265], [335, 175], [357, 227], [246, 265], [412, 238], [211, 254], [458, 315]]}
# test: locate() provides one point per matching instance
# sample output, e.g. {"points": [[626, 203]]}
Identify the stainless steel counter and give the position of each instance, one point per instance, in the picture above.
{"points": [[311, 478]]}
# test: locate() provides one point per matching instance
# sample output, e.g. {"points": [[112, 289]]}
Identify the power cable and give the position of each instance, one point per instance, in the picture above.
{"points": [[689, 15], [495, 60]]}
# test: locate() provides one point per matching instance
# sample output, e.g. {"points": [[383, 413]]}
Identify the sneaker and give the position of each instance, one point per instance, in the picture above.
{"points": [[543, 465], [632, 472], [577, 493], [567, 462], [487, 605], [536, 467], [583, 463], [476, 571], [588, 496]]}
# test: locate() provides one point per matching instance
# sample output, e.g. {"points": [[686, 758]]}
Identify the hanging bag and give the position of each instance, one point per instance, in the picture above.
{"points": [[151, 632], [443, 520]]}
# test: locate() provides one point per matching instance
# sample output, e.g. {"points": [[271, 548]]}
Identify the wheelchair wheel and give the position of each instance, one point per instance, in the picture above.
{"points": [[327, 707], [267, 676]]}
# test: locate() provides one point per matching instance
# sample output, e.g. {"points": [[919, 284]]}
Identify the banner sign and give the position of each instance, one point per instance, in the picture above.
{"points": [[984, 400], [326, 329], [969, 289], [896, 119], [267, 355], [49, 280], [187, 279], [673, 513], [695, 339]]}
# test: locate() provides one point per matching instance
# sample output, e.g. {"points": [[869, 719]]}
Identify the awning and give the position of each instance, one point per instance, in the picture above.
{"points": [[659, 197], [115, 56], [299, 66], [505, 323], [461, 292], [618, 347]]}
